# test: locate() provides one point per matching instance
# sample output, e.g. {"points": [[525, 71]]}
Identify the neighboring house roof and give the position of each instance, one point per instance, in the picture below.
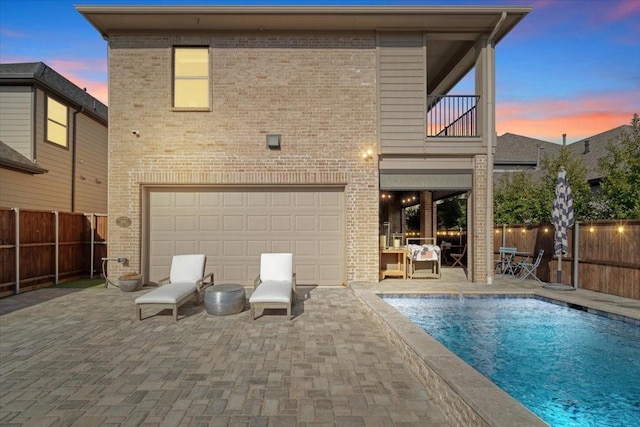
{"points": [[11, 159], [595, 149], [515, 149], [39, 72], [516, 152]]}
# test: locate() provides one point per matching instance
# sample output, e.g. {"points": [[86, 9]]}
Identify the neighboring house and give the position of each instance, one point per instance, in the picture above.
{"points": [[516, 153], [237, 130], [53, 149]]}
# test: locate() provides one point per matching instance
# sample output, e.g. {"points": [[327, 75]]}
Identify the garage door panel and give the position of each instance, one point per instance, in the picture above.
{"points": [[186, 247], [231, 200], [256, 223], [281, 223], [233, 273], [329, 273], [232, 228], [232, 248], [162, 223], [163, 248], [284, 246], [305, 223], [329, 223], [257, 200], [188, 200], [306, 199], [186, 223], [232, 223], [209, 199], [281, 199], [257, 247]]}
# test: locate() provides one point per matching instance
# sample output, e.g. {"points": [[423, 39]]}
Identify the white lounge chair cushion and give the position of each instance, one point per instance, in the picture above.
{"points": [[272, 291], [167, 294], [276, 266], [187, 268]]}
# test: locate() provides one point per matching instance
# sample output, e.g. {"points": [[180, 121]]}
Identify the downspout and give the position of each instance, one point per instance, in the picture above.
{"points": [[73, 159], [491, 135]]}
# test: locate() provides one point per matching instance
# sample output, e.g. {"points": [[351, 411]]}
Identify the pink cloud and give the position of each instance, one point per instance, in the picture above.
{"points": [[621, 10], [578, 118]]}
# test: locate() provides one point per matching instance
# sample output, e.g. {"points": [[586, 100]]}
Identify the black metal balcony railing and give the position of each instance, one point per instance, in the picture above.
{"points": [[452, 115]]}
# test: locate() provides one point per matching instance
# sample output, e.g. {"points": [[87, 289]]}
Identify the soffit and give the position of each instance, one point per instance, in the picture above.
{"points": [[115, 19]]}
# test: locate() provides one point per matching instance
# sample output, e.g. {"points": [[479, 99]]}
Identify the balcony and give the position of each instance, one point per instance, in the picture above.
{"points": [[452, 116]]}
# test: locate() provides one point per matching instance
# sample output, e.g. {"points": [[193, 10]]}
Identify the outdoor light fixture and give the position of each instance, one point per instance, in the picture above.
{"points": [[368, 154], [273, 141]]}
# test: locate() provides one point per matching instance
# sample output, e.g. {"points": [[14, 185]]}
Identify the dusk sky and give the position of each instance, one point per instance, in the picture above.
{"points": [[571, 66]]}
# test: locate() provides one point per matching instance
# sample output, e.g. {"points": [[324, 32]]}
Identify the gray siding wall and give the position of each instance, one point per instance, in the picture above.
{"points": [[91, 165], [402, 92], [16, 118]]}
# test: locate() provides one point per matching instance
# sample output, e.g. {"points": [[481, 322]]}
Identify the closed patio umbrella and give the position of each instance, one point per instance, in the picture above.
{"points": [[562, 218]]}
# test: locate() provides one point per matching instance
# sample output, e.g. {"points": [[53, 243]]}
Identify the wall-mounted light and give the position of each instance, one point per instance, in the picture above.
{"points": [[273, 141], [367, 154], [620, 229]]}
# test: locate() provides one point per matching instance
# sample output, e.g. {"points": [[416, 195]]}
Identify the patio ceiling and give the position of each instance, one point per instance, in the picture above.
{"points": [[451, 31]]}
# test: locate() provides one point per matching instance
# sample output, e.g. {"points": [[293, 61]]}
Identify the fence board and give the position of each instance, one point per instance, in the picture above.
{"points": [[608, 254], [37, 234]]}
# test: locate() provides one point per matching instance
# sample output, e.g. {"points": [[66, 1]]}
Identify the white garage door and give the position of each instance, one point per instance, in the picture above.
{"points": [[233, 227]]}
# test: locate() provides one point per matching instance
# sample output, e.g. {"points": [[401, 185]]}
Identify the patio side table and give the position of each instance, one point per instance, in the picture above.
{"points": [[224, 299]]}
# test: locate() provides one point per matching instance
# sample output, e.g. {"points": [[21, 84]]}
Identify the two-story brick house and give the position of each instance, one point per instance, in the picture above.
{"points": [[236, 130], [53, 142]]}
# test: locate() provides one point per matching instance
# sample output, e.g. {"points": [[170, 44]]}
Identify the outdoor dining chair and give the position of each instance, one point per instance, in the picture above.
{"points": [[527, 269], [457, 257]]}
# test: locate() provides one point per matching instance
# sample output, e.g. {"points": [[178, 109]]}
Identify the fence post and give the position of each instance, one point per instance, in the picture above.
{"points": [[56, 245], [574, 276], [92, 251], [17, 246]]}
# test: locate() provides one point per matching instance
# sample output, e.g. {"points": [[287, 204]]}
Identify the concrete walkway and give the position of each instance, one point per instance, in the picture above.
{"points": [[70, 357]]}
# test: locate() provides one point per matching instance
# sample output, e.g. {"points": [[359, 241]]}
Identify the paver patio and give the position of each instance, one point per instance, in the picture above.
{"points": [[81, 358]]}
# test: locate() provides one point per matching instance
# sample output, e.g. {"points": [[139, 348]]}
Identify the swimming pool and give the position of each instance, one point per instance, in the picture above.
{"points": [[569, 367]]}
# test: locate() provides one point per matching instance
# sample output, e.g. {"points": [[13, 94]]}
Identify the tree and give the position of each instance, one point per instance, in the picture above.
{"points": [[577, 177], [518, 199], [452, 212], [515, 200], [620, 169]]}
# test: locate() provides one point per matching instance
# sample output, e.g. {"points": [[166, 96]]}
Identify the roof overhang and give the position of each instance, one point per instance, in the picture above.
{"points": [[479, 19], [453, 30]]}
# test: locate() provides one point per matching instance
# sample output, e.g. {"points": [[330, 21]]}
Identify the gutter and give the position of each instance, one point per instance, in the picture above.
{"points": [[491, 134], [74, 137]]}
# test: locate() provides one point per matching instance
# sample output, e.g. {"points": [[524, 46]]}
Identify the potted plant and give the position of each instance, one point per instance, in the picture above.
{"points": [[130, 282]]}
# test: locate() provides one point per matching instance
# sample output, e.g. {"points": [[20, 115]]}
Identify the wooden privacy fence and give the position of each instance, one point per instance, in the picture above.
{"points": [[40, 248], [604, 256]]}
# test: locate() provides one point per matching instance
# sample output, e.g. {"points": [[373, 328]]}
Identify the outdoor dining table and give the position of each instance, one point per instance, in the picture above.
{"points": [[506, 263]]}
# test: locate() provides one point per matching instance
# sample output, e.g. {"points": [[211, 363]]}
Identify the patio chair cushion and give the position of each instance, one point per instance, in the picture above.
{"points": [[272, 291], [171, 293]]}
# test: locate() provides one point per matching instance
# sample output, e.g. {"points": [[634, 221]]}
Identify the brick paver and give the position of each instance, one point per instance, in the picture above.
{"points": [[82, 359]]}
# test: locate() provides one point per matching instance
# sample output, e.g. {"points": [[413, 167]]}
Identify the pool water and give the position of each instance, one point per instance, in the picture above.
{"points": [[569, 367]]}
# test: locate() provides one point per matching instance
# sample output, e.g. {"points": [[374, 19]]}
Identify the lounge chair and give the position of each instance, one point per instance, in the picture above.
{"points": [[186, 281], [527, 269], [275, 286]]}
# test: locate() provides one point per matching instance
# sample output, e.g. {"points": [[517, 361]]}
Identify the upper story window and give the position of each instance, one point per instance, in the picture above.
{"points": [[57, 121], [191, 77]]}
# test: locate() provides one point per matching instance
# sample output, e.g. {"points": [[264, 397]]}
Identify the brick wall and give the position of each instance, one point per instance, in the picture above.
{"points": [[317, 90]]}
